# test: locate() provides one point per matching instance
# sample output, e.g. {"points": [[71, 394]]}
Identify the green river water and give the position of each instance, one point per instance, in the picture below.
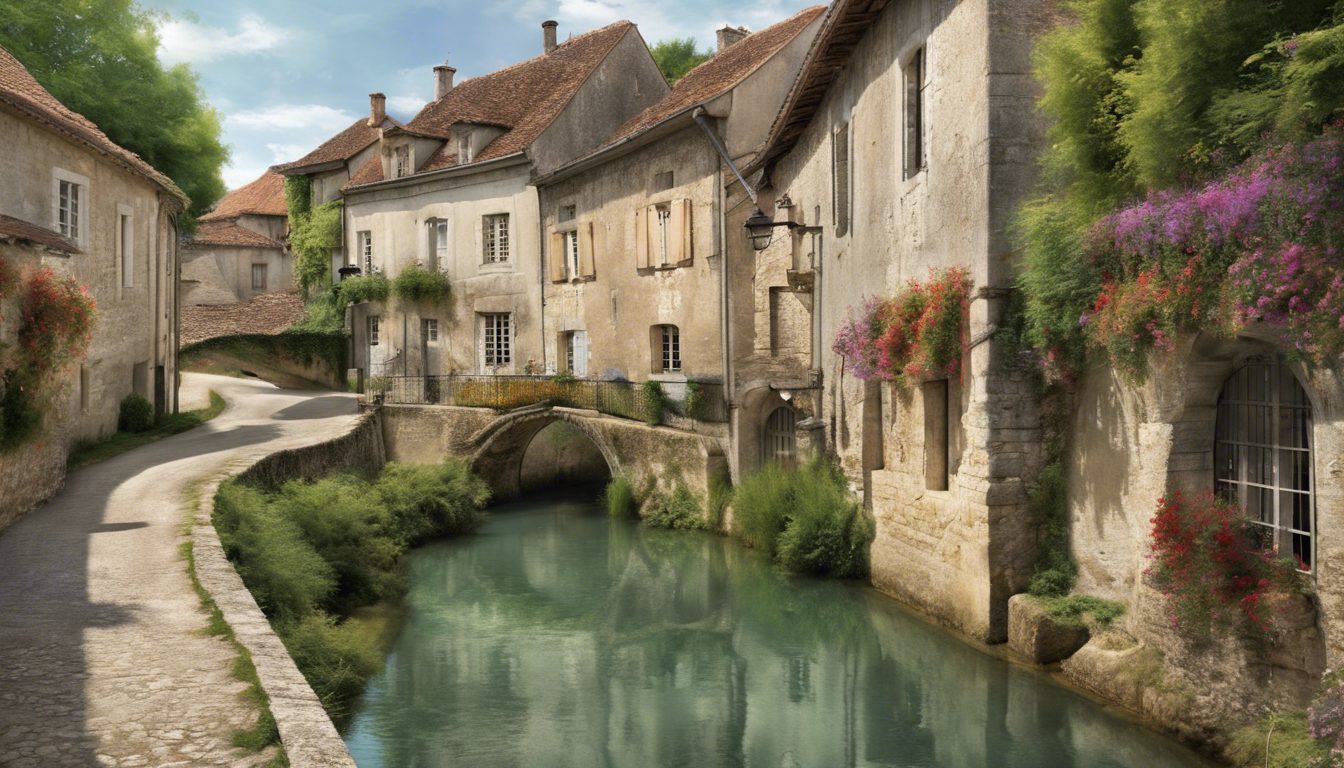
{"points": [[556, 637]]}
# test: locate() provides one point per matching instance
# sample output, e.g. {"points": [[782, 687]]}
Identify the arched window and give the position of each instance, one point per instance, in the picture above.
{"points": [[1262, 455], [779, 443]]}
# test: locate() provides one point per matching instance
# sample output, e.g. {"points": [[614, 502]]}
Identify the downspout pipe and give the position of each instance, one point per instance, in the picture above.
{"points": [[699, 115]]}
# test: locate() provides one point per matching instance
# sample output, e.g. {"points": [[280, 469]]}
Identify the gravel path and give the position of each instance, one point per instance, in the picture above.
{"points": [[103, 656]]}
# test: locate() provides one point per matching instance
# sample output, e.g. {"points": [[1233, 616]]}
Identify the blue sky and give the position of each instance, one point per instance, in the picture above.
{"points": [[287, 74]]}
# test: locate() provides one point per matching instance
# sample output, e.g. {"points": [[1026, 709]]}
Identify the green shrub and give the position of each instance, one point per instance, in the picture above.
{"points": [[431, 501], [620, 498], [285, 574], [135, 415], [312, 235], [720, 496], [20, 415], [357, 290], [415, 283], [655, 402], [760, 505], [336, 658], [827, 533], [1055, 573], [1071, 610], [679, 510]]}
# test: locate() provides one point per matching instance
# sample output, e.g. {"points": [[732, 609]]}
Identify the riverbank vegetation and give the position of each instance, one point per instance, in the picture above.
{"points": [[314, 554], [1056, 574]]}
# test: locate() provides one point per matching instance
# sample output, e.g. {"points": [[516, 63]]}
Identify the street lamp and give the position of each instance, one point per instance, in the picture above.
{"points": [[761, 228]]}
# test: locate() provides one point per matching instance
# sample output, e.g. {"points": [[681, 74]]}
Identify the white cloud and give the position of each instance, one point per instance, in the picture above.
{"points": [[284, 153], [405, 106], [181, 41], [240, 172], [292, 117]]}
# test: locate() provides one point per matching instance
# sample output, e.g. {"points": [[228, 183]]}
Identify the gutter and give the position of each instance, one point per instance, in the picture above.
{"points": [[452, 171]]}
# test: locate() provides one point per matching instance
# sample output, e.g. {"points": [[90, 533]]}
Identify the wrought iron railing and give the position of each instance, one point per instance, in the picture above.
{"points": [[701, 401]]}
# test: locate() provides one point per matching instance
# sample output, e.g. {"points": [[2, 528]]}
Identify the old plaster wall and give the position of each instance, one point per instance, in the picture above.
{"points": [[232, 273], [398, 219], [202, 282], [960, 553], [619, 305]]}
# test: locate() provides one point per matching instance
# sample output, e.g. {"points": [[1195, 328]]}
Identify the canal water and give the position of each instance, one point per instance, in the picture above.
{"points": [[556, 637]]}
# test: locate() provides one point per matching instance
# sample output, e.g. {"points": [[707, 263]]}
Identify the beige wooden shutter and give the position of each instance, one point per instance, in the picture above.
{"points": [[586, 266], [681, 233], [557, 257], [642, 238]]}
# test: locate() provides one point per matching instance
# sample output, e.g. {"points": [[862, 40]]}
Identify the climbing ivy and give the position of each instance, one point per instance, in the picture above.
{"points": [[313, 232]]}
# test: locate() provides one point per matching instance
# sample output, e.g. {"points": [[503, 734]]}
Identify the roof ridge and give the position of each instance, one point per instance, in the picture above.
{"points": [[538, 57]]}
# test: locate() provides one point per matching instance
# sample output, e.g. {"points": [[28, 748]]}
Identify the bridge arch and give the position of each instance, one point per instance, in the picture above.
{"points": [[504, 443]]}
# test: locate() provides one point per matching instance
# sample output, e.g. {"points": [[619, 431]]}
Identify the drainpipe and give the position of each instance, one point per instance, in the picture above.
{"points": [[542, 275]]}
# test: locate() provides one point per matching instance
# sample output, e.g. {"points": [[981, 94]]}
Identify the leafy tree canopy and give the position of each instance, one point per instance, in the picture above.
{"points": [[678, 56], [99, 57]]}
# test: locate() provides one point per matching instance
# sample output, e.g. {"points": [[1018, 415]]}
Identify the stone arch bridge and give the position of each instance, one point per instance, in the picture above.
{"points": [[495, 442]]}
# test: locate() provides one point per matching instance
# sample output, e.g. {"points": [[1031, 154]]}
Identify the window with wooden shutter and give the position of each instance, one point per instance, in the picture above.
{"points": [[557, 257], [642, 238], [840, 179], [679, 234], [587, 264]]}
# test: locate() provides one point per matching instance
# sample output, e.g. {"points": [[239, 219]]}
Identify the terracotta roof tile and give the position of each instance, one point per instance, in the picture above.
{"points": [[342, 146], [20, 90], [525, 98], [263, 197], [14, 229], [371, 171], [226, 233], [269, 313], [720, 73]]}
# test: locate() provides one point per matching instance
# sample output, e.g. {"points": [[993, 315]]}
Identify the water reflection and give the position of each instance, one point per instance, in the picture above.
{"points": [[558, 638]]}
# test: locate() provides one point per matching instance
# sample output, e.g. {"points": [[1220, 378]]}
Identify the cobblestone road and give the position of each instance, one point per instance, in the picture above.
{"points": [[103, 656]]}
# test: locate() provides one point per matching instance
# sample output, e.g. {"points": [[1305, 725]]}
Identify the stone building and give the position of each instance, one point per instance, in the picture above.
{"points": [[453, 192], [78, 204], [634, 253], [906, 143], [238, 251]]}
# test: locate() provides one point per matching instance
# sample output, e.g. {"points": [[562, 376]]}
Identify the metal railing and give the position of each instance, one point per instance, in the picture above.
{"points": [[700, 401]]}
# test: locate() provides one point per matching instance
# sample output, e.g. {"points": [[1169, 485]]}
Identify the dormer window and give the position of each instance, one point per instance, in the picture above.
{"points": [[403, 161], [464, 149]]}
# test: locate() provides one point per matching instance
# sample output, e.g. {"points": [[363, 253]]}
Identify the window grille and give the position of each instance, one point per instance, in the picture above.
{"points": [[431, 330], [779, 442], [496, 239], [671, 348], [373, 330], [1262, 455], [498, 344], [366, 250]]}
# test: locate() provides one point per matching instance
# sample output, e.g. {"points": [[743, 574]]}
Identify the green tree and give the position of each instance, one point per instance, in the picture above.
{"points": [[678, 56], [100, 58]]}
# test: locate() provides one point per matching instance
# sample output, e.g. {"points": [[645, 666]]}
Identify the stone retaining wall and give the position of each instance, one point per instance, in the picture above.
{"points": [[29, 475], [309, 737]]}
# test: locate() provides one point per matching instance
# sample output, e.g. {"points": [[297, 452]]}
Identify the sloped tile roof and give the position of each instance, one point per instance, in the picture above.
{"points": [[15, 229], [524, 98], [21, 91], [263, 197], [226, 233], [720, 73], [269, 313], [342, 146], [371, 171]]}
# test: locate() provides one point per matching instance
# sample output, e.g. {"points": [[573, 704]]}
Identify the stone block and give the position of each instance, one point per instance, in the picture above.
{"points": [[1032, 633]]}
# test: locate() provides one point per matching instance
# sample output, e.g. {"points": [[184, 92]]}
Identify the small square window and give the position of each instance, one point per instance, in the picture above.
{"points": [[662, 181], [568, 212]]}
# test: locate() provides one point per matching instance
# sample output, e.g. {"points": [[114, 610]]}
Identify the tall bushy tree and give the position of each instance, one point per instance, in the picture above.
{"points": [[99, 57], [678, 56]]}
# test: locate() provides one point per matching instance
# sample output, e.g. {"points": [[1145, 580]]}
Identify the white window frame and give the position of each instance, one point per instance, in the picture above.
{"points": [[570, 241], [671, 349], [440, 242], [495, 238], [80, 235], [374, 323], [431, 331], [497, 339], [365, 238], [576, 353]]}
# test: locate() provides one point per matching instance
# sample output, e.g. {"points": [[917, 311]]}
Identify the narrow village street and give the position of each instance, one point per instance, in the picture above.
{"points": [[104, 659]]}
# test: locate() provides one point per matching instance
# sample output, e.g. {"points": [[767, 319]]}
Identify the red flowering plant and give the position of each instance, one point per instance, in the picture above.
{"points": [[1205, 559], [920, 333]]}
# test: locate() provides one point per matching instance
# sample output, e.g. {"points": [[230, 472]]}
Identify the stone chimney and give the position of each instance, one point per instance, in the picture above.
{"points": [[729, 35], [377, 109], [443, 80], [548, 35]]}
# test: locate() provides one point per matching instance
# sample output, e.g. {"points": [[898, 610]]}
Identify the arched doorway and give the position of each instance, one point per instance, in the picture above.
{"points": [[1262, 455], [779, 442]]}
